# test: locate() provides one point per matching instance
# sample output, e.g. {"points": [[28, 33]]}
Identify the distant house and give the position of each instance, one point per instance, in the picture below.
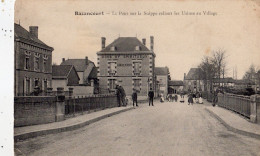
{"points": [[224, 82], [175, 86], [32, 62], [64, 76], [162, 79], [85, 68], [193, 80]]}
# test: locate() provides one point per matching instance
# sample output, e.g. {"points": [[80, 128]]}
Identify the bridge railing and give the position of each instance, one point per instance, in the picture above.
{"points": [[237, 103], [89, 103]]}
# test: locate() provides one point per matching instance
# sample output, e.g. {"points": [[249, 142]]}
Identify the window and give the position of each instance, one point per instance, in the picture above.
{"points": [[113, 48], [112, 66], [45, 85], [36, 82], [27, 63], [137, 48], [27, 87], [44, 66], [112, 83], [137, 66], [137, 84], [36, 63]]}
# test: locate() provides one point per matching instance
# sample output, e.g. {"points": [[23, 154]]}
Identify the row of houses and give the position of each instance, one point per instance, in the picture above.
{"points": [[126, 61], [34, 69]]}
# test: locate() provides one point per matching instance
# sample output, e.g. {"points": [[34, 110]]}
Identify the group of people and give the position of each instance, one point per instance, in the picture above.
{"points": [[195, 97], [150, 95], [172, 97], [121, 96]]}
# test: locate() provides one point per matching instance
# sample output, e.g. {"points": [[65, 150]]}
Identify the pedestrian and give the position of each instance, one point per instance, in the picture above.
{"points": [[118, 94], [123, 95], [190, 99], [194, 97], [151, 96], [215, 98], [170, 98], [176, 97], [162, 98], [134, 98], [200, 98], [182, 98]]}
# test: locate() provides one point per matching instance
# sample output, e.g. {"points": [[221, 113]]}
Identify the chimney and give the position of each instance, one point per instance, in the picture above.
{"points": [[151, 43], [63, 59], [86, 60], [34, 31], [103, 42], [144, 41], [184, 76]]}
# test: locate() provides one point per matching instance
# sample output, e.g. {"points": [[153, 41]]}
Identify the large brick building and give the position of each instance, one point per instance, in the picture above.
{"points": [[126, 62], [33, 60]]}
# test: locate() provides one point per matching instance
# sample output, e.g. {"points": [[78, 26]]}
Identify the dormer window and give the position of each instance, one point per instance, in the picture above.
{"points": [[137, 48], [113, 48]]}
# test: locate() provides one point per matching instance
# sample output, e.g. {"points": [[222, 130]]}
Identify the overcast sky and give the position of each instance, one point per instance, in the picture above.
{"points": [[179, 41]]}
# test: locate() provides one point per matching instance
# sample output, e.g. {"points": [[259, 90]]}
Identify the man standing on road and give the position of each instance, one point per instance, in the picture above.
{"points": [[151, 95], [123, 95], [134, 98], [118, 94]]}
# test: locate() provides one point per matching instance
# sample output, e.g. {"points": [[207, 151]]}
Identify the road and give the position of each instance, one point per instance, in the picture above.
{"points": [[165, 129]]}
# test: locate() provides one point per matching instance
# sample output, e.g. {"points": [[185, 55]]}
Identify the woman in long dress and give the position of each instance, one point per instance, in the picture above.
{"points": [[200, 98]]}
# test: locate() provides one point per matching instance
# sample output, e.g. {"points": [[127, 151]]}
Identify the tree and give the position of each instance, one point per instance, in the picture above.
{"points": [[252, 75], [207, 72], [219, 61], [250, 72]]}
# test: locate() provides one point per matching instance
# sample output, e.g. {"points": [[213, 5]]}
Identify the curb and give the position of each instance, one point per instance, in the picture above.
{"points": [[230, 128], [64, 129]]}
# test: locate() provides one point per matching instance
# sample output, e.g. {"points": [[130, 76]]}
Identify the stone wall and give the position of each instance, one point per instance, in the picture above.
{"points": [[34, 110]]}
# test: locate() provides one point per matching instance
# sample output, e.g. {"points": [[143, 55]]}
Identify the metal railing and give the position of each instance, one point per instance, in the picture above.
{"points": [[237, 103], [89, 103]]}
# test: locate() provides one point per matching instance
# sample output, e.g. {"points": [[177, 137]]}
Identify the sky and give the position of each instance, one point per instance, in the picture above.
{"points": [[180, 41]]}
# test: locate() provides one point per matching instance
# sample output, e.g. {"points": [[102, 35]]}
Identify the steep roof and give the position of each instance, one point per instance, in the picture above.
{"points": [[20, 32], [93, 73], [175, 83], [125, 44], [193, 74], [161, 71], [79, 64], [61, 71]]}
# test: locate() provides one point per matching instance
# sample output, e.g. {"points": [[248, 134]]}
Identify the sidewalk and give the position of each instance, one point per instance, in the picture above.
{"points": [[233, 121], [26, 132]]}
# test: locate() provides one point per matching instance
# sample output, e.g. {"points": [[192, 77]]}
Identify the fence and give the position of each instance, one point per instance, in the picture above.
{"points": [[236, 103], [89, 103]]}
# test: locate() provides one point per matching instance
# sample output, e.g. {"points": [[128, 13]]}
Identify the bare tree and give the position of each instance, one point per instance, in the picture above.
{"points": [[208, 72], [219, 61]]}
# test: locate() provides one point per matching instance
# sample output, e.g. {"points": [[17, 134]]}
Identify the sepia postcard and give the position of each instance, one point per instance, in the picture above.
{"points": [[150, 77]]}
